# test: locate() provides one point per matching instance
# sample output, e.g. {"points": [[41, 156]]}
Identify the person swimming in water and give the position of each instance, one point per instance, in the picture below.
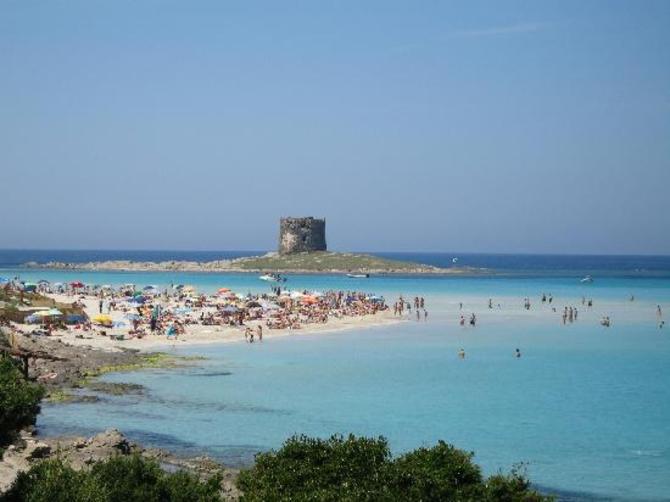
{"points": [[517, 353], [461, 353]]}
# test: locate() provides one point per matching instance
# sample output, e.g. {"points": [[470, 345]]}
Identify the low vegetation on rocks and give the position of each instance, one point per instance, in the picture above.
{"points": [[359, 468], [19, 401]]}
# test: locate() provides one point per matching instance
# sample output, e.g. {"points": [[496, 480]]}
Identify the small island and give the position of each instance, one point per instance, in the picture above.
{"points": [[315, 262], [302, 249]]}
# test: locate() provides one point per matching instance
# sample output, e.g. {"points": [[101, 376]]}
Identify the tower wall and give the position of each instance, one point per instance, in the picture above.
{"points": [[299, 235]]}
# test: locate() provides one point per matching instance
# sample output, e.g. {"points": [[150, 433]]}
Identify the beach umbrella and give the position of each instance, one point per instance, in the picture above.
{"points": [[3, 280], [74, 318], [102, 319], [29, 286], [252, 304], [54, 312], [32, 318], [150, 287], [230, 309], [42, 281], [309, 300], [223, 290], [133, 317], [77, 284], [119, 324], [42, 313]]}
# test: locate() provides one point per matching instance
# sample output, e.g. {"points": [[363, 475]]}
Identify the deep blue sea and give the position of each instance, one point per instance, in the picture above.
{"points": [[587, 408], [619, 265]]}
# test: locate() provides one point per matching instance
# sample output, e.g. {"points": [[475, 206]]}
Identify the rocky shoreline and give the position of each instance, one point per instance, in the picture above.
{"points": [[81, 453], [243, 265], [71, 375]]}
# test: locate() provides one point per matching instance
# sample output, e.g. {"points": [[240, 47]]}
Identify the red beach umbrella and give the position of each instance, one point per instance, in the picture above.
{"points": [[77, 284]]}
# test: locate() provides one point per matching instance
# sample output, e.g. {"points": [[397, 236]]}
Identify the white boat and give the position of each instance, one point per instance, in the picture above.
{"points": [[359, 276], [454, 260], [272, 278], [587, 279]]}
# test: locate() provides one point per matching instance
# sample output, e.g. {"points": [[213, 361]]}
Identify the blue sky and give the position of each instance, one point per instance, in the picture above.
{"points": [[427, 126]]}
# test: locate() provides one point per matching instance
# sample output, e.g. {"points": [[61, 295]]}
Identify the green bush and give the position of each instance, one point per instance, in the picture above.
{"points": [[439, 473], [127, 479], [354, 469], [53, 481], [19, 400], [315, 469]]}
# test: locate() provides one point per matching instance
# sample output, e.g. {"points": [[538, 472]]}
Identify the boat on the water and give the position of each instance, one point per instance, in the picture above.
{"points": [[587, 279], [272, 278], [359, 276]]}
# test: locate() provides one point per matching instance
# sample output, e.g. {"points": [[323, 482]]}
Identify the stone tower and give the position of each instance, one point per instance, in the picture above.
{"points": [[299, 235]]}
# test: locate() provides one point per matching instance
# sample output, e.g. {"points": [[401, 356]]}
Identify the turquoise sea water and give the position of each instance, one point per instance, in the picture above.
{"points": [[588, 408]]}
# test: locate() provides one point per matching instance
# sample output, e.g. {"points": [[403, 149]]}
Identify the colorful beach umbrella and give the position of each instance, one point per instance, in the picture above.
{"points": [[102, 319], [77, 284]]}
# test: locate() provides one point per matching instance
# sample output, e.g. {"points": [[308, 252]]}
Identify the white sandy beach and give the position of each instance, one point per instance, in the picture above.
{"points": [[196, 334]]}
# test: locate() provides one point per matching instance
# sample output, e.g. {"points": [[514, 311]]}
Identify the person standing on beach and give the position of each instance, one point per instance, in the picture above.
{"points": [[418, 315], [100, 306], [659, 312], [259, 329], [425, 315]]}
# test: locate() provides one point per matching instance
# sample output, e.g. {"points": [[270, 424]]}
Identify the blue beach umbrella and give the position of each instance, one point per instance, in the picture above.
{"points": [[74, 318]]}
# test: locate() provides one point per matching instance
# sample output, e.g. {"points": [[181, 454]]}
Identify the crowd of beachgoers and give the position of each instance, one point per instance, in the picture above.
{"points": [[148, 315], [127, 312]]}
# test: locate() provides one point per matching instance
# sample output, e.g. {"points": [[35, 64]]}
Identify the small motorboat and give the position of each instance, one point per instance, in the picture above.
{"points": [[454, 259], [272, 278], [587, 279], [359, 276]]}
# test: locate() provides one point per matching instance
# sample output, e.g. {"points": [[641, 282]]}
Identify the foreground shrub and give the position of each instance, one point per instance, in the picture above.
{"points": [[19, 400], [354, 469], [315, 469], [127, 479], [439, 473]]}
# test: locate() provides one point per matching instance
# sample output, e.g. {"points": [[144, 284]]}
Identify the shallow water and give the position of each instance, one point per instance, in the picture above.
{"points": [[588, 408]]}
